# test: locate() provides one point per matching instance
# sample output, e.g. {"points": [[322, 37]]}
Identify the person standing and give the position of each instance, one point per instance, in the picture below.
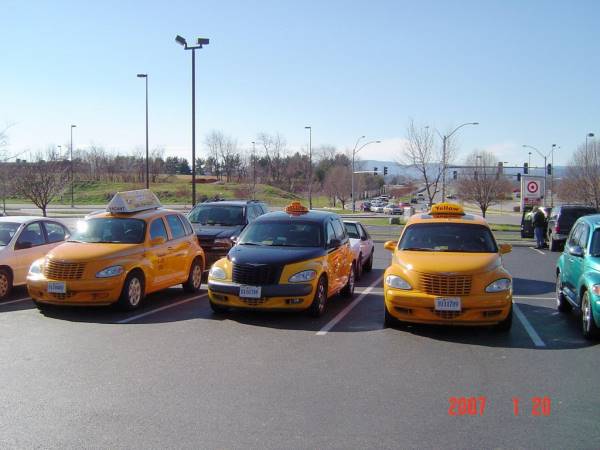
{"points": [[539, 224]]}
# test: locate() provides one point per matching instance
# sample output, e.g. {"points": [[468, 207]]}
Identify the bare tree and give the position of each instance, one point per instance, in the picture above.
{"points": [[581, 183], [482, 183], [337, 182], [42, 180]]}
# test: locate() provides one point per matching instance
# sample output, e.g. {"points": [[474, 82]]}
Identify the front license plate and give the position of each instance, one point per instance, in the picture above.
{"points": [[57, 287], [447, 304], [250, 291]]}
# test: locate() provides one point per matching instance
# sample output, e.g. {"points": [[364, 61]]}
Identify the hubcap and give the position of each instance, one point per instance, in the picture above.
{"points": [[135, 291], [586, 314], [351, 280], [197, 276], [558, 290], [3, 284]]}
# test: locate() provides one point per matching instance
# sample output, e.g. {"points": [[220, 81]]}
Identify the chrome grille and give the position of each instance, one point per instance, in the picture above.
{"points": [[59, 270], [255, 274], [451, 285]]}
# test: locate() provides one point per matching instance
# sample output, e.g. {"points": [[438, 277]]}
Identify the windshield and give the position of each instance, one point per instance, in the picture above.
{"points": [[224, 215], [352, 230], [7, 231], [110, 231], [283, 234], [448, 237]]}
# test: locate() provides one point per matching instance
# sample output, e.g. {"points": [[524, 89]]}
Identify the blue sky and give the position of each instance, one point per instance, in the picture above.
{"points": [[528, 71]]}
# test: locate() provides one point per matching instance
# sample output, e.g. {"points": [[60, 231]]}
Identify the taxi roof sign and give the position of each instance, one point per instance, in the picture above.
{"points": [[133, 201], [296, 208], [447, 209]]}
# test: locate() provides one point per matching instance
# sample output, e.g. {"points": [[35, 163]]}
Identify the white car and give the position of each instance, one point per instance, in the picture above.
{"points": [[361, 245], [378, 208], [22, 241]]}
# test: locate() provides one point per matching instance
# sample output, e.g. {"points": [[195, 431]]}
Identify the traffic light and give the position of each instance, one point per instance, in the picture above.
{"points": [[384, 170], [374, 170], [454, 175], [525, 168], [519, 176], [549, 168]]}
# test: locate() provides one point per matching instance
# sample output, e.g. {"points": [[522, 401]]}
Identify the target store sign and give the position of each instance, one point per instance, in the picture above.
{"points": [[532, 189]]}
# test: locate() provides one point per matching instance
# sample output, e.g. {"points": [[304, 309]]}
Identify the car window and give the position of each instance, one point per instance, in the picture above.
{"points": [[187, 225], [340, 231], [33, 234], [574, 236], [448, 237], [595, 245], [583, 237], [364, 234], [110, 230], [569, 216], [55, 232], [251, 213], [176, 226], [157, 229], [211, 214], [352, 230], [7, 231], [282, 234], [330, 234]]}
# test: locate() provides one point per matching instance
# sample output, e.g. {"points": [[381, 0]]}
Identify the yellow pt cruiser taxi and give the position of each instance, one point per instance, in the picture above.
{"points": [[293, 259], [447, 269], [119, 256]]}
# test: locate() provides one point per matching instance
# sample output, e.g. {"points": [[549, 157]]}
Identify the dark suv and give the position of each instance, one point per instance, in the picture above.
{"points": [[527, 220], [561, 221], [218, 223]]}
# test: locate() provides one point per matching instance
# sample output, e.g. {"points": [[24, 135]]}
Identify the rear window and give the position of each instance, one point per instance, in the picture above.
{"points": [[448, 237], [352, 230], [569, 216]]}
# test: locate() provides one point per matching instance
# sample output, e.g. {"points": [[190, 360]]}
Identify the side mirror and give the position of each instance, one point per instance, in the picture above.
{"points": [[160, 240], [335, 243], [505, 248], [390, 245], [575, 250], [363, 238], [23, 245]]}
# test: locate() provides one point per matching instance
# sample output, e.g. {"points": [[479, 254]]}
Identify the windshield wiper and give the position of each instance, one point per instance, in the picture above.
{"points": [[251, 243]]}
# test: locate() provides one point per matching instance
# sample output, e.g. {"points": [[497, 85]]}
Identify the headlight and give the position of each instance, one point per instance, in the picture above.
{"points": [[111, 271], [397, 282], [503, 284], [37, 267], [596, 289], [305, 275], [217, 273], [223, 242]]}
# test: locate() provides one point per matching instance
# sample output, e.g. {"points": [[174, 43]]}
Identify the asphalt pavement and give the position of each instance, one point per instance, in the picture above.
{"points": [[174, 375]]}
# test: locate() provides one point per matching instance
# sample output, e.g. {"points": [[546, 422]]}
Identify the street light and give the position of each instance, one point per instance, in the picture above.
{"points": [[145, 76], [354, 152], [589, 135], [444, 140], [72, 190], [529, 163], [551, 175], [200, 43], [309, 128]]}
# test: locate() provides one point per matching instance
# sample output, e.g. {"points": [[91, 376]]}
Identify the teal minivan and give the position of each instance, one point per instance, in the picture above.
{"points": [[578, 274]]}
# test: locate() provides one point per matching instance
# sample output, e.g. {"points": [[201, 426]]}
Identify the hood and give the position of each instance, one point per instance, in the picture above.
{"points": [[84, 252], [447, 262], [216, 231], [250, 254]]}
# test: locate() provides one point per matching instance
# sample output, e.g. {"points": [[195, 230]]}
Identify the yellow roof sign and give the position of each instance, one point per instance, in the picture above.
{"points": [[447, 209], [133, 201], [296, 208]]}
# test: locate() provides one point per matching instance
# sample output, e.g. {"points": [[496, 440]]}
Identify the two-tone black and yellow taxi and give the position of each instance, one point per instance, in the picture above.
{"points": [[287, 260]]}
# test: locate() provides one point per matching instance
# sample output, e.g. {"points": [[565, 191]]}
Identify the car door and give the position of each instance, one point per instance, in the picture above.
{"points": [[569, 259], [333, 259], [178, 257], [578, 263], [345, 252], [157, 253], [366, 245], [56, 233], [30, 245]]}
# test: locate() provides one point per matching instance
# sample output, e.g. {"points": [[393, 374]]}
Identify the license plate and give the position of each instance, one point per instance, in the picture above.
{"points": [[250, 291], [57, 287], [447, 304]]}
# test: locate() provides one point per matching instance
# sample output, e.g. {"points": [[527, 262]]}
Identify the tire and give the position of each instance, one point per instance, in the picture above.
{"points": [[369, 263], [505, 325], [43, 307], [588, 325], [348, 290], [5, 283], [388, 320], [317, 307], [218, 309], [562, 304], [359, 267], [194, 281], [553, 244], [132, 294]]}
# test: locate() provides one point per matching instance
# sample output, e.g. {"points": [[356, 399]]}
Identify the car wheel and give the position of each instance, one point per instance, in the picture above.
{"points": [[5, 283], [562, 304], [553, 246], [588, 325], [369, 263], [317, 307], [132, 293], [194, 280], [218, 309], [348, 290], [359, 267], [506, 324]]}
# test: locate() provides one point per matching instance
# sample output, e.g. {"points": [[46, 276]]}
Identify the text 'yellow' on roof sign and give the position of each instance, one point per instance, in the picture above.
{"points": [[447, 209], [133, 201]]}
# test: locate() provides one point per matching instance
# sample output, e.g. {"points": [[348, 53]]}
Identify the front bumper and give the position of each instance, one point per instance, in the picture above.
{"points": [[418, 307], [97, 292], [273, 296]]}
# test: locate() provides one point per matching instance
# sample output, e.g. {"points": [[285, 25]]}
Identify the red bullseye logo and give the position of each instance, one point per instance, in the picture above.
{"points": [[532, 187]]}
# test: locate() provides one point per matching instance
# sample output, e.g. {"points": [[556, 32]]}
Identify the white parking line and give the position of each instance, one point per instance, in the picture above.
{"points": [[537, 250], [537, 341], [162, 308], [333, 322], [15, 301]]}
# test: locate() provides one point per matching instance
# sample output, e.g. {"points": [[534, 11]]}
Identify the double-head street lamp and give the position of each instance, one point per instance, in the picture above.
{"points": [[354, 152], [145, 76], [444, 142], [200, 42], [71, 158], [309, 128]]}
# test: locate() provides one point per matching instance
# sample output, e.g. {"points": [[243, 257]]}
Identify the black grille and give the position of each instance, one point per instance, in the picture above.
{"points": [[255, 274]]}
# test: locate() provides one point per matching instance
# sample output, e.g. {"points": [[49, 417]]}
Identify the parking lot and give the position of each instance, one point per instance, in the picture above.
{"points": [[173, 374]]}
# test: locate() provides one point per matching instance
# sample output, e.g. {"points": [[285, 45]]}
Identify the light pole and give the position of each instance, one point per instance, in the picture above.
{"points": [[309, 128], [545, 167], [354, 152], [589, 135], [444, 141], [145, 76], [253, 170], [71, 158], [529, 163], [551, 175], [200, 43]]}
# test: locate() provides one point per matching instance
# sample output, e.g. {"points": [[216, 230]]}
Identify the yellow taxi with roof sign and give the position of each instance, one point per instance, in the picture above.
{"points": [[134, 248], [447, 269], [294, 259]]}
